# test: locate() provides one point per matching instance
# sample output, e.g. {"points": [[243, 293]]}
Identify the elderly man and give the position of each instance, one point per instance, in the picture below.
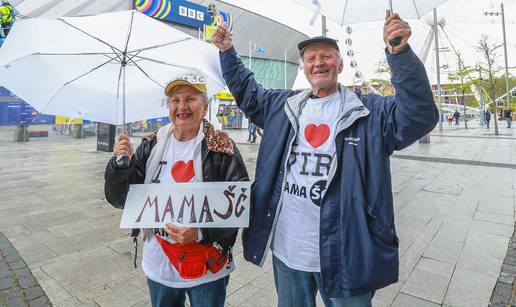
{"points": [[322, 194]]}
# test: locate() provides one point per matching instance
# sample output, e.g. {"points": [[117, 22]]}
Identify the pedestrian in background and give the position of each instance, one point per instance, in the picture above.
{"points": [[456, 116], [251, 131], [7, 17], [508, 117], [487, 117]]}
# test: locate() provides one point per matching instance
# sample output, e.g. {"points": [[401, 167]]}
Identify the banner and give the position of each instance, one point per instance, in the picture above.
{"points": [[194, 204], [209, 31], [64, 120], [178, 11], [224, 96]]}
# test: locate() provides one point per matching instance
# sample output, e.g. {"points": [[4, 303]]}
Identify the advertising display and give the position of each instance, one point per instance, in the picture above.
{"points": [[178, 11], [105, 137]]}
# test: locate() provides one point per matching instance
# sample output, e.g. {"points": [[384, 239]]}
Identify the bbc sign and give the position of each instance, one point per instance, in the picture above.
{"points": [[188, 14], [177, 11], [191, 13]]}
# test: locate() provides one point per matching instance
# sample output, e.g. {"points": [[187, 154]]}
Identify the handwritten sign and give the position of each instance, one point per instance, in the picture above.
{"points": [[195, 204]]}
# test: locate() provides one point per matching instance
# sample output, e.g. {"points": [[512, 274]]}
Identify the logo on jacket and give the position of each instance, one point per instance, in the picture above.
{"points": [[352, 141]]}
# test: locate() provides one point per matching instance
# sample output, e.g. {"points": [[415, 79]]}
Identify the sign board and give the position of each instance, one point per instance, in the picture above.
{"points": [[105, 137], [64, 120], [193, 204], [184, 12], [224, 96], [209, 31], [178, 11]]}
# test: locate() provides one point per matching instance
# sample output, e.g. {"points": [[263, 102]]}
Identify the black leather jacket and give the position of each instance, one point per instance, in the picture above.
{"points": [[216, 166]]}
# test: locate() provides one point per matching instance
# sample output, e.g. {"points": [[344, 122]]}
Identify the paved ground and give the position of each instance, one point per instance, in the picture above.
{"points": [[455, 221]]}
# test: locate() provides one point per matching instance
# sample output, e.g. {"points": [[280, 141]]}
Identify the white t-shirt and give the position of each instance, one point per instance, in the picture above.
{"points": [[296, 237], [182, 166]]}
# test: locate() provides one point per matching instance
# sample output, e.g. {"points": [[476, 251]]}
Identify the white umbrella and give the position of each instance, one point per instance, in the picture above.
{"points": [[464, 25], [109, 68], [357, 11]]}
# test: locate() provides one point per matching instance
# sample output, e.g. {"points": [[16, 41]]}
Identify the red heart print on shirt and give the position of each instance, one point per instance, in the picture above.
{"points": [[317, 135], [183, 172]]}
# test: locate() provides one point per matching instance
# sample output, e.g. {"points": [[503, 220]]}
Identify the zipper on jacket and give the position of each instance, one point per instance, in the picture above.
{"points": [[280, 201], [333, 168]]}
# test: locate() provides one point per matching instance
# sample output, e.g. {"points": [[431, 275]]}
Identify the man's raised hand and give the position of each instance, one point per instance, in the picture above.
{"points": [[222, 38], [395, 27]]}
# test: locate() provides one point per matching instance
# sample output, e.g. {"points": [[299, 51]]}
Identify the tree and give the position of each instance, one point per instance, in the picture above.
{"points": [[463, 74], [488, 51], [383, 71]]}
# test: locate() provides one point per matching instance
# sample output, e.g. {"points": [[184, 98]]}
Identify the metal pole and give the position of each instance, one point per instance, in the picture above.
{"points": [[482, 108], [285, 69], [463, 98], [436, 34], [123, 97], [506, 61], [323, 23], [250, 53]]}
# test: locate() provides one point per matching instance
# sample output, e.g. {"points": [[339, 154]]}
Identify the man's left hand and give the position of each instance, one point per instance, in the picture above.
{"points": [[396, 27], [181, 234]]}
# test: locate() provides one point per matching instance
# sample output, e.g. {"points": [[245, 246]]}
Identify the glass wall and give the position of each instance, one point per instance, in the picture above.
{"points": [[271, 73]]}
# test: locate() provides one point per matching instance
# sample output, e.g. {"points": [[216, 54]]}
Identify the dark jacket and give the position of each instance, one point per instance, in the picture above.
{"points": [[358, 242], [221, 161]]}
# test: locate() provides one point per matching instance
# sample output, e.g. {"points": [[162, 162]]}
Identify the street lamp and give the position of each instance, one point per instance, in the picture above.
{"points": [[501, 13]]}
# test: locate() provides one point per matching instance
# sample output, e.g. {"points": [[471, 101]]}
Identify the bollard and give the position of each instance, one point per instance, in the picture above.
{"points": [[78, 131], [425, 139], [21, 134]]}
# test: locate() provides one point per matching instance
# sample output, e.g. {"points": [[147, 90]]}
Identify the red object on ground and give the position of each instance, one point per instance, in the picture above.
{"points": [[38, 133]]}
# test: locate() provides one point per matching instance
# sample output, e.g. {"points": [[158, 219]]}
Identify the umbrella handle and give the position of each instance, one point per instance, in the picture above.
{"points": [[397, 40], [122, 161]]}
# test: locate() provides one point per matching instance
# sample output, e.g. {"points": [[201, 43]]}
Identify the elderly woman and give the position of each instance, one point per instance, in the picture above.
{"points": [[187, 150]]}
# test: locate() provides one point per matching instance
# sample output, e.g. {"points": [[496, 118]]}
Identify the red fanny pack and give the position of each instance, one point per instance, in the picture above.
{"points": [[193, 260]]}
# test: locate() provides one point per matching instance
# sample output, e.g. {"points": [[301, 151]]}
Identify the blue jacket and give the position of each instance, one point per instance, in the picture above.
{"points": [[358, 242]]}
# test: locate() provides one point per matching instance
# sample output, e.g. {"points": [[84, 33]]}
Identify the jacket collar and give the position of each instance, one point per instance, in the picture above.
{"points": [[351, 108], [216, 140]]}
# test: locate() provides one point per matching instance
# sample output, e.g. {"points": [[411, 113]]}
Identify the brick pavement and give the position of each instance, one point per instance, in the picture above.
{"points": [[504, 293], [18, 287]]}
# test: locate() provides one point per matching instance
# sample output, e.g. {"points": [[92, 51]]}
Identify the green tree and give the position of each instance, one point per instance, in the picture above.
{"points": [[383, 71], [462, 75], [488, 51]]}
